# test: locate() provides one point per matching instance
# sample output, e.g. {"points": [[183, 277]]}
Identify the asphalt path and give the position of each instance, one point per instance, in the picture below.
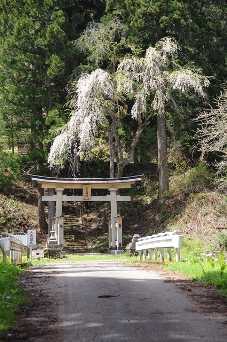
{"points": [[110, 302]]}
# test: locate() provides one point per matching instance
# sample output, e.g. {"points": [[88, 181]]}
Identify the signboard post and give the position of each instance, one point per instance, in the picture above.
{"points": [[31, 241]]}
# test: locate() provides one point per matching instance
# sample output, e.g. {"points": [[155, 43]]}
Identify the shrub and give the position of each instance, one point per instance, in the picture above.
{"points": [[150, 186], [9, 169], [222, 241], [195, 179], [11, 295], [177, 159], [192, 250]]}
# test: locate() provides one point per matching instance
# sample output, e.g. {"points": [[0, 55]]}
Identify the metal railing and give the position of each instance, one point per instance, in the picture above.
{"points": [[149, 245]]}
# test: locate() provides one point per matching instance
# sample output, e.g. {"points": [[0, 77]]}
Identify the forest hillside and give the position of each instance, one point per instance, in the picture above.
{"points": [[111, 89]]}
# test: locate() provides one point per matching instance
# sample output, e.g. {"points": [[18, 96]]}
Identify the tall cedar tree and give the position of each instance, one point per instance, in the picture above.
{"points": [[37, 57]]}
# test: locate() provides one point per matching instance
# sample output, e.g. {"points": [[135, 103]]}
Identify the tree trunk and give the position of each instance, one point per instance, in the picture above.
{"points": [[162, 156], [43, 226], [122, 163]]}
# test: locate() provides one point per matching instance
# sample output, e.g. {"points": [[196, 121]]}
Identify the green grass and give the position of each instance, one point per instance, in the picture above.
{"points": [[203, 272], [11, 295], [71, 258]]}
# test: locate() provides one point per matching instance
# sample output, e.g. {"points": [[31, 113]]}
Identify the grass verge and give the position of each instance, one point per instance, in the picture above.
{"points": [[71, 258], [11, 295], [204, 272]]}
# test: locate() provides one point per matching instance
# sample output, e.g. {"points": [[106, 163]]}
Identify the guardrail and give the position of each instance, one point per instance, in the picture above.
{"points": [[149, 245], [13, 249]]}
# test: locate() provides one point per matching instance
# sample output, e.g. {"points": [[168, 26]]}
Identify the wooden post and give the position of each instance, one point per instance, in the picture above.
{"points": [[113, 204], [177, 254], [156, 255], [170, 255], [3, 254], [162, 253], [140, 255], [21, 257], [150, 253]]}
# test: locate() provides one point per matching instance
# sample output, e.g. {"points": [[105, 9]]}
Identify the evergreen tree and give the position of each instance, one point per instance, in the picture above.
{"points": [[37, 57], [200, 28]]}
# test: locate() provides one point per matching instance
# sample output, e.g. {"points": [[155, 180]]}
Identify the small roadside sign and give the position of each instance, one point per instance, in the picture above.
{"points": [[31, 237]]}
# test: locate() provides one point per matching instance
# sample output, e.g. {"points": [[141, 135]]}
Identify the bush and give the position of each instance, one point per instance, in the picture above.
{"points": [[195, 179], [192, 249], [10, 295], [222, 241], [9, 169], [150, 186]]}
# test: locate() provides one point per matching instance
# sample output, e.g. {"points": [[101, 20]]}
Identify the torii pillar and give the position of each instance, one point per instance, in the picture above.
{"points": [[59, 219], [115, 229], [56, 186]]}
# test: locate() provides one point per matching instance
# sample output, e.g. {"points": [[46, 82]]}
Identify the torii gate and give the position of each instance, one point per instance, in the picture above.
{"points": [[86, 185]]}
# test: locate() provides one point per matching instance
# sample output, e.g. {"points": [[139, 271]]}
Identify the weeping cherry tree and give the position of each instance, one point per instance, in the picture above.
{"points": [[155, 78], [96, 105], [91, 108]]}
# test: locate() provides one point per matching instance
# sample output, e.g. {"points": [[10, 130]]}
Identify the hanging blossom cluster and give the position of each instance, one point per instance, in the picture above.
{"points": [[89, 106], [154, 75], [60, 150], [185, 79], [88, 103], [140, 106], [213, 131], [168, 47]]}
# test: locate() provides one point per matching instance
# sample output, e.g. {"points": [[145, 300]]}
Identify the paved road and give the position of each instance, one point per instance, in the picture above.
{"points": [[109, 302]]}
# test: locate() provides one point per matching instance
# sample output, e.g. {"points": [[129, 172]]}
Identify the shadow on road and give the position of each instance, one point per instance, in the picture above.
{"points": [[111, 302]]}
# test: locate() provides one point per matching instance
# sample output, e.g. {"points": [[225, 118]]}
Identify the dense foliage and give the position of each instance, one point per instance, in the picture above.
{"points": [[47, 45], [37, 58], [10, 169], [11, 295]]}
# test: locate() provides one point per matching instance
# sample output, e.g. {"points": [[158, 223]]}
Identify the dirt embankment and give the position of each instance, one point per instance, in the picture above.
{"points": [[18, 210], [201, 215]]}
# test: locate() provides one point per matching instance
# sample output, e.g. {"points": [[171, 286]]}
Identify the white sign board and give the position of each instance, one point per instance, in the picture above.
{"points": [[31, 238]]}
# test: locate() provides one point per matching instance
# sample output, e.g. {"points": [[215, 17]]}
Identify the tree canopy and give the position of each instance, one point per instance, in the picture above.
{"points": [[54, 53]]}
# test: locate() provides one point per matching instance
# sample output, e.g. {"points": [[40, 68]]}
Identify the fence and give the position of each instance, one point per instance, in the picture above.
{"points": [[13, 249], [28, 239], [153, 244]]}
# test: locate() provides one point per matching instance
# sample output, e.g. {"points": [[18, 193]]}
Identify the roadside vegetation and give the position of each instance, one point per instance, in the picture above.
{"points": [[204, 264], [74, 258], [11, 295], [132, 87], [209, 272]]}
